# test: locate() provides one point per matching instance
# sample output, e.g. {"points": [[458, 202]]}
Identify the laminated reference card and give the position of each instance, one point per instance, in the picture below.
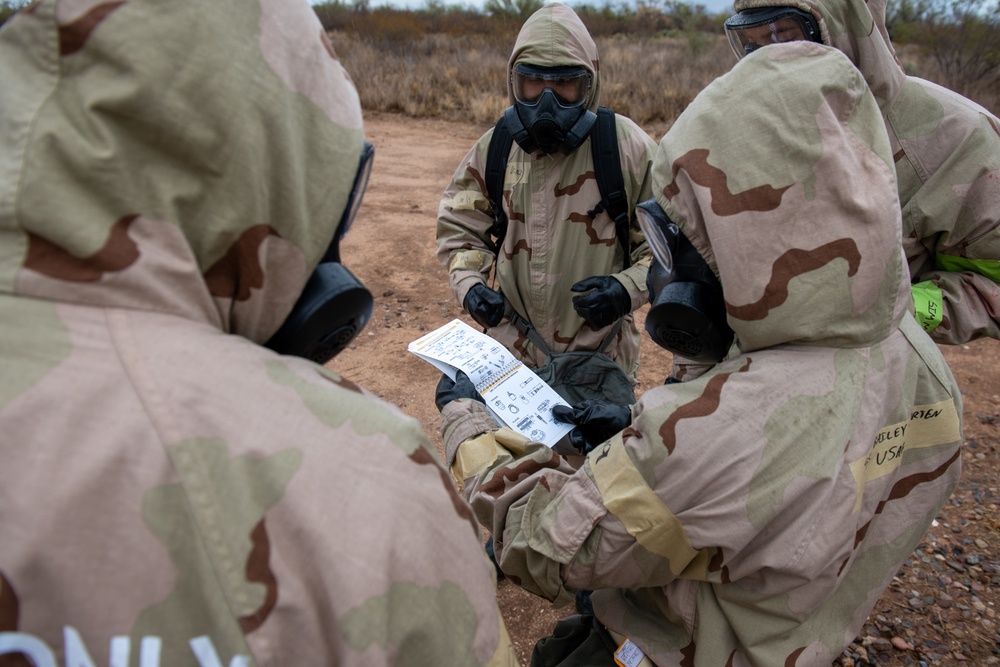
{"points": [[516, 396]]}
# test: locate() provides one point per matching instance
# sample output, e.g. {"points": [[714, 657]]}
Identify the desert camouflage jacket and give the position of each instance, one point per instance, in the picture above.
{"points": [[171, 492], [946, 150], [752, 516], [551, 241]]}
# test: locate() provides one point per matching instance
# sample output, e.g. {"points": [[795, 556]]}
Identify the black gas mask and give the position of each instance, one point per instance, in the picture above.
{"points": [[687, 314], [334, 306], [549, 112]]}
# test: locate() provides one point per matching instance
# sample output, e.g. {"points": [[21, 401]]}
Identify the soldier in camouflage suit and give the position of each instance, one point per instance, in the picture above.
{"points": [[551, 242], [946, 151], [171, 491], [754, 515]]}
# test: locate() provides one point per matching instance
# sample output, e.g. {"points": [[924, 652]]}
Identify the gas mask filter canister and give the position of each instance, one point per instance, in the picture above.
{"points": [[334, 306], [687, 314]]}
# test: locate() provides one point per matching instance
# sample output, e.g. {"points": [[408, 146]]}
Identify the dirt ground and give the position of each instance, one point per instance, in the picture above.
{"points": [[941, 608]]}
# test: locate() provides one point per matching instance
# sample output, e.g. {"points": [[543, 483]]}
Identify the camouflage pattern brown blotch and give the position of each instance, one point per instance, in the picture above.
{"points": [[551, 241], [174, 492], [752, 516], [946, 151]]}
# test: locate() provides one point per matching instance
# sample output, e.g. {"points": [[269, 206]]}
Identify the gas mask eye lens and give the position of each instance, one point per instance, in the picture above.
{"points": [[570, 85], [656, 227], [357, 190]]}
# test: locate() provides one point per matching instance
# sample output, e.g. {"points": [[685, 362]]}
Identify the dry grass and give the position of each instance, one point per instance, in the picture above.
{"points": [[649, 79]]}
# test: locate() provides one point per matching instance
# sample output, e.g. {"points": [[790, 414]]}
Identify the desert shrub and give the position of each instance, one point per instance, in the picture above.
{"points": [[516, 9], [952, 42], [457, 78], [334, 15], [653, 79], [649, 79], [9, 7]]}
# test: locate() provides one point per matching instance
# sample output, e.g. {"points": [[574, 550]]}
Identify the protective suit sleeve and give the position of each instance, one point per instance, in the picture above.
{"points": [[955, 307], [550, 520], [464, 219], [951, 233]]}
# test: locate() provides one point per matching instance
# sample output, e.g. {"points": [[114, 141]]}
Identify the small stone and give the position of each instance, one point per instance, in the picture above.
{"points": [[901, 644], [955, 565], [881, 644]]}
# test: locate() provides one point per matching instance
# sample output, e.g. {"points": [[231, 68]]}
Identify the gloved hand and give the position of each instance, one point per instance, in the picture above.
{"points": [[595, 420], [606, 301], [485, 305], [449, 390]]}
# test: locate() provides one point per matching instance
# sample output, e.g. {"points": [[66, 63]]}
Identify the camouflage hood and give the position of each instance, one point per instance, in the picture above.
{"points": [[555, 36], [176, 196], [791, 199], [857, 28]]}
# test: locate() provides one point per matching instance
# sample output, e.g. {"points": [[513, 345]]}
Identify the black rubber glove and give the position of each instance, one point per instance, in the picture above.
{"points": [[449, 390], [595, 420], [606, 301], [485, 305]]}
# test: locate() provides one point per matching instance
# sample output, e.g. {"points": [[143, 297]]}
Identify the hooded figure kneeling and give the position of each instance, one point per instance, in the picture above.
{"points": [[751, 516]]}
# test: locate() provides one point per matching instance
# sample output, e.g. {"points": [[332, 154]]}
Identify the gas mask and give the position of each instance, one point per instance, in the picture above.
{"points": [[334, 306], [549, 112], [753, 28], [687, 314]]}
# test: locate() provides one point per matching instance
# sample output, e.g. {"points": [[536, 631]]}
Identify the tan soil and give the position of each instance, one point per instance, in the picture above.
{"points": [[941, 607]]}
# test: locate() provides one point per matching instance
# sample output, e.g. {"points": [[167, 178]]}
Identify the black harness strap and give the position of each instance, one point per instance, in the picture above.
{"points": [[496, 166], [614, 200], [608, 171]]}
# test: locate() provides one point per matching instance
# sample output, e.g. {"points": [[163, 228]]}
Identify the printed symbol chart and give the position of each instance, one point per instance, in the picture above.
{"points": [[514, 394]]}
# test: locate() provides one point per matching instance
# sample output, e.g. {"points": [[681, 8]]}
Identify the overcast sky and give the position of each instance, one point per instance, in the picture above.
{"points": [[712, 6]]}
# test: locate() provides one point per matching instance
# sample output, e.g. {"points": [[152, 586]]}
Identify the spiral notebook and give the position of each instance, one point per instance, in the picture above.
{"points": [[516, 396]]}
